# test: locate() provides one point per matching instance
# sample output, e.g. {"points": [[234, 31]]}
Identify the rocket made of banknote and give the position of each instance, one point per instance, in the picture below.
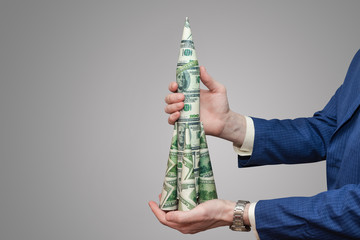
{"points": [[189, 178]]}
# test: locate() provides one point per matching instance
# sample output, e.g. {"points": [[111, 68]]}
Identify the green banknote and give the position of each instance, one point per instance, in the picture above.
{"points": [[169, 194]]}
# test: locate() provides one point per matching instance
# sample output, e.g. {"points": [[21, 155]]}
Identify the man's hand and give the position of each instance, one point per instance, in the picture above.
{"points": [[210, 214], [214, 104], [215, 113]]}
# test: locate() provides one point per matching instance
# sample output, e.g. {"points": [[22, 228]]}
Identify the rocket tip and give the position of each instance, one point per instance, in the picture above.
{"points": [[187, 19]]}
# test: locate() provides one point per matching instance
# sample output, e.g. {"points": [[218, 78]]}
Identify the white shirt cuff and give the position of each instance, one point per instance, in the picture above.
{"points": [[252, 219], [248, 144]]}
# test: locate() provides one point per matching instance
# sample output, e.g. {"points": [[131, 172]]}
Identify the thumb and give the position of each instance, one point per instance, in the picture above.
{"points": [[208, 81], [184, 217]]}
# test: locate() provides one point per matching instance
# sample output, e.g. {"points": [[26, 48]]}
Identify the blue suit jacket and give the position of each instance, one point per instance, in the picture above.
{"points": [[332, 134]]}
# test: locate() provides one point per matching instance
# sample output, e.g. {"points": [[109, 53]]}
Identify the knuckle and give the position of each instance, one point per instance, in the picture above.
{"points": [[168, 109], [174, 116], [178, 97], [180, 105], [171, 98], [171, 109]]}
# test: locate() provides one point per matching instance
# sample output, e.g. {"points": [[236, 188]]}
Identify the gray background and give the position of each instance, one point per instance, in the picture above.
{"points": [[83, 136]]}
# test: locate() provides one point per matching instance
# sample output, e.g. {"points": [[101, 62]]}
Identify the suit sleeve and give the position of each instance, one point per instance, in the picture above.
{"points": [[290, 141], [333, 214]]}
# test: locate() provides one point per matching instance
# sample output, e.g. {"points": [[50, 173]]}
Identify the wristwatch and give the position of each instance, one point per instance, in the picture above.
{"points": [[238, 221]]}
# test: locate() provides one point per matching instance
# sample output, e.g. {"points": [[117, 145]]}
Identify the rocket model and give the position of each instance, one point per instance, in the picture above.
{"points": [[189, 178]]}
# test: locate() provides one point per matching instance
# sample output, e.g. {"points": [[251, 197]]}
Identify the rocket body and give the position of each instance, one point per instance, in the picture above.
{"points": [[191, 187]]}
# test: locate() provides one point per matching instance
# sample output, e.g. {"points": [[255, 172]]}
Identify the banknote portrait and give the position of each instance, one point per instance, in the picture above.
{"points": [[183, 80]]}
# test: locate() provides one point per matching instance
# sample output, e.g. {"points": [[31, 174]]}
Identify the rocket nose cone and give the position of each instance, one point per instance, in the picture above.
{"points": [[187, 30], [187, 24]]}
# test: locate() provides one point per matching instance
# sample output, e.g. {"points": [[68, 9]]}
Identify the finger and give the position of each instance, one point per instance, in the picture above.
{"points": [[173, 118], [174, 98], [173, 86], [159, 214], [181, 217], [175, 107], [208, 81], [159, 197]]}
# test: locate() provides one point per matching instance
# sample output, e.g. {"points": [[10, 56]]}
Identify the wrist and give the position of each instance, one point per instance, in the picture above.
{"points": [[246, 215], [229, 212], [234, 128]]}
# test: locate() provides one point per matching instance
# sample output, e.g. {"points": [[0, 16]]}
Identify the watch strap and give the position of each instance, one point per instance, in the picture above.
{"points": [[238, 220]]}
